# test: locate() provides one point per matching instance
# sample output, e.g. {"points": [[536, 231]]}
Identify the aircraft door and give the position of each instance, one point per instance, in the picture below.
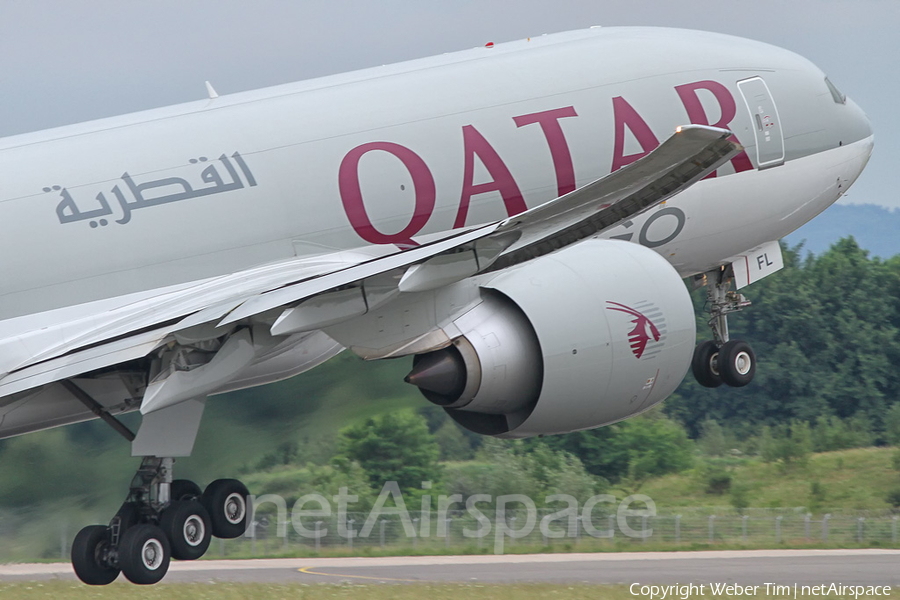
{"points": [[766, 125]]}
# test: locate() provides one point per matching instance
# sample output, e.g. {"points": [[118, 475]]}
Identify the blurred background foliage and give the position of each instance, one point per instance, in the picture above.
{"points": [[825, 330]]}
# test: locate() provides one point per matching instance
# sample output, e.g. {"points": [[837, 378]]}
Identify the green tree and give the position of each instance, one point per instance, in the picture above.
{"points": [[893, 497], [861, 430], [718, 480], [600, 450], [787, 444], [831, 433], [892, 425], [497, 470], [739, 497], [816, 495], [826, 330], [558, 472], [644, 446], [392, 447], [292, 482], [655, 446], [768, 450], [522, 467], [712, 438], [454, 445]]}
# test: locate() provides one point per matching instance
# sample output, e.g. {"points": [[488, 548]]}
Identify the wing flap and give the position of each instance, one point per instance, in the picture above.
{"points": [[181, 308], [294, 293], [86, 360]]}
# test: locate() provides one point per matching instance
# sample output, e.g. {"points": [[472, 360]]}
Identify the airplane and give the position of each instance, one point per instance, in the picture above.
{"points": [[523, 219]]}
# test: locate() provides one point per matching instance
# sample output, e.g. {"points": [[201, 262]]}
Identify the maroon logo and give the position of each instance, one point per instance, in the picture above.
{"points": [[643, 330], [627, 123]]}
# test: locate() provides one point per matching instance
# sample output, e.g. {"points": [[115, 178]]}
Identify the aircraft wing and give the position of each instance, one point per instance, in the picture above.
{"points": [[93, 337], [687, 156]]}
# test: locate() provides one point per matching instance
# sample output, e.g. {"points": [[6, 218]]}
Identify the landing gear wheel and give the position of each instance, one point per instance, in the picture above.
{"points": [[737, 363], [144, 554], [705, 364], [186, 524], [228, 506], [129, 515], [88, 551], [185, 489]]}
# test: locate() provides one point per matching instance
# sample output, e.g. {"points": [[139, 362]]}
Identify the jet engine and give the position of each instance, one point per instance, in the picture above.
{"points": [[584, 337]]}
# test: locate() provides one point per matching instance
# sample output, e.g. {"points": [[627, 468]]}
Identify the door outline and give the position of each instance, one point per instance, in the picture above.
{"points": [[763, 119]]}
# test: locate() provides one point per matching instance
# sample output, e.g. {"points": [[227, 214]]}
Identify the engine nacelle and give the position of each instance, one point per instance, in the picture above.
{"points": [[581, 338]]}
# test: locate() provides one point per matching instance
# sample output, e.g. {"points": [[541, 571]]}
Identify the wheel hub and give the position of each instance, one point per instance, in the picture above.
{"points": [[235, 507], [742, 363], [152, 554], [194, 531], [714, 364]]}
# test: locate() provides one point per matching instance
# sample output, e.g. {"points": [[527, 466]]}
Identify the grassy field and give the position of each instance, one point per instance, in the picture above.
{"points": [[857, 479], [849, 481], [796, 542], [231, 591], [847, 484]]}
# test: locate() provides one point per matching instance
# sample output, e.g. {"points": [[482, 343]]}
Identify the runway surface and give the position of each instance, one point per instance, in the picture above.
{"points": [[749, 567]]}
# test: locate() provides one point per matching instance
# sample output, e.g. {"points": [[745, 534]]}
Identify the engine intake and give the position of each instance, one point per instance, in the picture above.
{"points": [[496, 367]]}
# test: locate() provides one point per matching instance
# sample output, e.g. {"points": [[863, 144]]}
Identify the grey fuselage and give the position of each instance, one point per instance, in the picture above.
{"points": [[158, 198]]}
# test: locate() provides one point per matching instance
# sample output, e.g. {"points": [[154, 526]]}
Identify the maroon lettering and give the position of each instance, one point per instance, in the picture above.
{"points": [[698, 116], [352, 199], [556, 140], [475, 144], [625, 116]]}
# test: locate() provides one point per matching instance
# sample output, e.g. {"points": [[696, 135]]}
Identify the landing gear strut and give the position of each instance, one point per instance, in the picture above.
{"points": [[722, 360], [160, 520]]}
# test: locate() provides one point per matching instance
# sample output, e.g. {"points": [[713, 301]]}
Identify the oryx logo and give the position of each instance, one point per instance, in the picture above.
{"points": [[645, 329]]}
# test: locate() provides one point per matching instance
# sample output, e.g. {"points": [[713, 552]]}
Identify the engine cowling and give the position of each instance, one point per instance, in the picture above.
{"points": [[581, 338]]}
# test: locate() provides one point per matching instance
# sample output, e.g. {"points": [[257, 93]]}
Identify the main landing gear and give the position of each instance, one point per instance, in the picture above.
{"points": [[161, 519], [722, 360]]}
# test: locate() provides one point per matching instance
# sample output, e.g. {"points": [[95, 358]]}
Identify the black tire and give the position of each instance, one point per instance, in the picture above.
{"points": [[737, 363], [229, 508], [144, 554], [185, 489], [186, 524], [87, 553], [129, 515], [705, 364]]}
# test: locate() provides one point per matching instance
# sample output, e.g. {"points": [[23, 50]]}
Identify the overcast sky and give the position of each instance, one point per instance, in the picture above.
{"points": [[62, 62]]}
